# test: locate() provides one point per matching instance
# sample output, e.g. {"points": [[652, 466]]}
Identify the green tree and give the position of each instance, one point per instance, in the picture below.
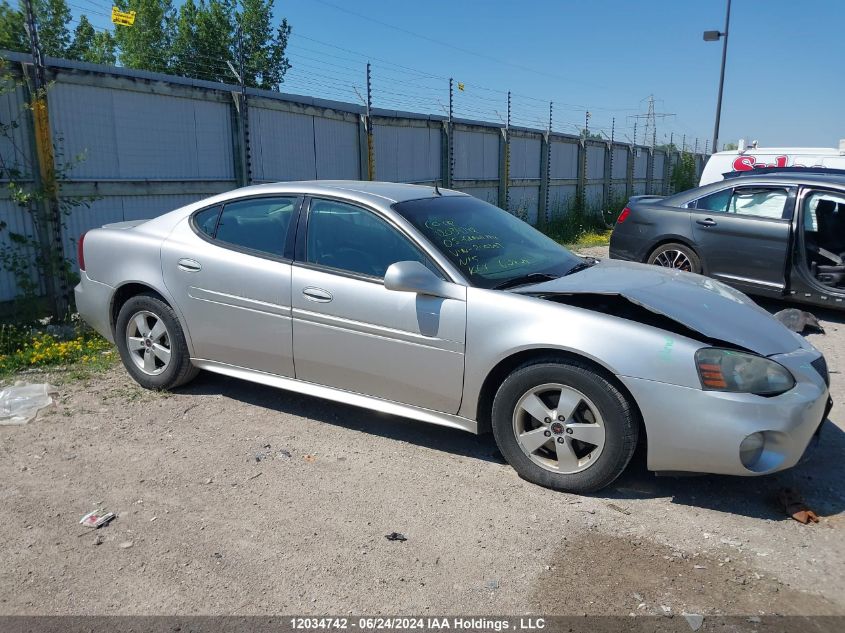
{"points": [[729, 146], [203, 40], [12, 32], [683, 172], [264, 48], [146, 44], [92, 46], [53, 17]]}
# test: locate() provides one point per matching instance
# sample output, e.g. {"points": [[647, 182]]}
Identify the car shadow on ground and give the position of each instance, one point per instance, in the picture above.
{"points": [[819, 479], [371, 422]]}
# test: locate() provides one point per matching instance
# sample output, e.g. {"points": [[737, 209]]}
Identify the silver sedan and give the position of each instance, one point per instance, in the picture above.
{"points": [[434, 305]]}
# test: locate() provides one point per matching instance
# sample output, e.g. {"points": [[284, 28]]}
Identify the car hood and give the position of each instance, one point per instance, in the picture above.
{"points": [[699, 303]]}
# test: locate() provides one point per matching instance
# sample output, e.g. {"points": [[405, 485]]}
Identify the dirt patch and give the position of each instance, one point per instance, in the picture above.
{"points": [[601, 574]]}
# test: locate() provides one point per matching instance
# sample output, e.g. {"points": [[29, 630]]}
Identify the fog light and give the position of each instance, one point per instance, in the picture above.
{"points": [[751, 448]]}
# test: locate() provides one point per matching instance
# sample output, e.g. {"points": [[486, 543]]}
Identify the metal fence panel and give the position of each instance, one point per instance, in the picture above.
{"points": [[336, 146], [561, 198], [525, 157], [564, 160], [524, 203], [282, 145], [488, 194], [595, 162], [476, 155], [620, 163], [640, 163], [17, 220], [125, 134], [407, 154], [16, 150]]}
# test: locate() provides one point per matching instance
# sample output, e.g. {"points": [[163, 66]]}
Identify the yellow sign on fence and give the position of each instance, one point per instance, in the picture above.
{"points": [[124, 18]]}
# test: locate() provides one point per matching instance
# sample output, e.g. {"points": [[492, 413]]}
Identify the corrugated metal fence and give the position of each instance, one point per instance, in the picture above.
{"points": [[150, 143]]}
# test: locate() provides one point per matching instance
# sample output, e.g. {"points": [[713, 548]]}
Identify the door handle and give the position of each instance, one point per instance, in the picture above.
{"points": [[189, 265], [706, 222], [317, 294]]}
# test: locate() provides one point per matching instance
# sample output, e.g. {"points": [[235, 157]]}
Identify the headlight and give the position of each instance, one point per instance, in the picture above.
{"points": [[728, 370]]}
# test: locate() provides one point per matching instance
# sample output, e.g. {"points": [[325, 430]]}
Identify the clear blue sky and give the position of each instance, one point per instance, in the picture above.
{"points": [[784, 83]]}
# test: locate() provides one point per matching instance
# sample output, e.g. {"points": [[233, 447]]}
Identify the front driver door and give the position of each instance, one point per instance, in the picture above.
{"points": [[351, 333], [743, 236]]}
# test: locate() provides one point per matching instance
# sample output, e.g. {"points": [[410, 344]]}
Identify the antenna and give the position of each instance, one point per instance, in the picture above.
{"points": [[437, 189]]}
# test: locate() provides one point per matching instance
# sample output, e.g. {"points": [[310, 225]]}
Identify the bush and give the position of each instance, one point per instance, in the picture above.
{"points": [[28, 346]]}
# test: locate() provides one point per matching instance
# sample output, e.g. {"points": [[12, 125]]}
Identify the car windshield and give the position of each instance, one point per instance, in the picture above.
{"points": [[491, 247]]}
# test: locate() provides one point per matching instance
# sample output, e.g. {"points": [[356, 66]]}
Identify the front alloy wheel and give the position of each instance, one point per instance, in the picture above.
{"points": [[559, 428]]}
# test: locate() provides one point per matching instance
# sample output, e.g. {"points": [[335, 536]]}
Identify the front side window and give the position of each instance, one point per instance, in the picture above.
{"points": [[491, 247], [257, 224], [761, 202], [352, 239]]}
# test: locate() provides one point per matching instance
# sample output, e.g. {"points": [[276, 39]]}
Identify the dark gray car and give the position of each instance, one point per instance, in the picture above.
{"points": [[777, 234]]}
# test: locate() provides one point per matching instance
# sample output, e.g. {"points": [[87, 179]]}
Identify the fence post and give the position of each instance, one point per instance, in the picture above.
{"points": [[629, 170], [581, 186], [239, 141], [607, 175], [649, 172], [545, 164], [504, 168]]}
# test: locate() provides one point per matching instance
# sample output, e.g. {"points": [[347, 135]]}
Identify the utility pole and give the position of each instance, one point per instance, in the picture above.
{"points": [[48, 215]]}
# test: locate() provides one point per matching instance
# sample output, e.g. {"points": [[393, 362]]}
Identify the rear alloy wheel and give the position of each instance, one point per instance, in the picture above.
{"points": [[151, 343], [676, 256], [563, 425]]}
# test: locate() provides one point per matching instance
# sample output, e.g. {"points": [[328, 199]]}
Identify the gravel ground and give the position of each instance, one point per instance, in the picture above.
{"points": [[234, 498]]}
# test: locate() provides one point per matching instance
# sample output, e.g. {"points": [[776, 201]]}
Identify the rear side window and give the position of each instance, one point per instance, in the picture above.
{"points": [[258, 224], [206, 221], [717, 202]]}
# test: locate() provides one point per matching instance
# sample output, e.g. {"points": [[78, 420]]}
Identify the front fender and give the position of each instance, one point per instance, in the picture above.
{"points": [[501, 324]]}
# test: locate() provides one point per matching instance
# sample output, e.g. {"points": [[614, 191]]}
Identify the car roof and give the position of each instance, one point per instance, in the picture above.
{"points": [[390, 192], [789, 177]]}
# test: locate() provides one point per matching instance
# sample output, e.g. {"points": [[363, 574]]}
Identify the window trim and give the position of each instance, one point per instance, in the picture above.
{"points": [[290, 238], [300, 252], [788, 208]]}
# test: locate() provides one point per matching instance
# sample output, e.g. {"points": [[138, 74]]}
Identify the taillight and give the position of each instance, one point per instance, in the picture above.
{"points": [[80, 252], [623, 216]]}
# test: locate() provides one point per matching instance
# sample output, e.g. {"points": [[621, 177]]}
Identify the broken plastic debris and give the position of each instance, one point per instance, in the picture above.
{"points": [[97, 518], [21, 403], [395, 536], [794, 506], [798, 320]]}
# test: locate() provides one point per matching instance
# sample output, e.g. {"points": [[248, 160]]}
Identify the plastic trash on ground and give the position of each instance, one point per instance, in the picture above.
{"points": [[22, 402]]}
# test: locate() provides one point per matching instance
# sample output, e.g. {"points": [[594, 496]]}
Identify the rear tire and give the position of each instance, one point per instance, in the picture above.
{"points": [[152, 345], [588, 432], [677, 256]]}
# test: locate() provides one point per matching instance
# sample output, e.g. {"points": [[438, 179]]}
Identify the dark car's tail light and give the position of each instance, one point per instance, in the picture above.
{"points": [[624, 215], [80, 252]]}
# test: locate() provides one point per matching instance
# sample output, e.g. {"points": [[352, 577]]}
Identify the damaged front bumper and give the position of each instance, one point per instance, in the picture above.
{"points": [[692, 430]]}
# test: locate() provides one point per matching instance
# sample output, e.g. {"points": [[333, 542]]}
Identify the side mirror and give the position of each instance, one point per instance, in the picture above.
{"points": [[415, 277]]}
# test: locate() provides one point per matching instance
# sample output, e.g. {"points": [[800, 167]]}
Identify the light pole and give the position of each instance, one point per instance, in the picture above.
{"points": [[714, 36]]}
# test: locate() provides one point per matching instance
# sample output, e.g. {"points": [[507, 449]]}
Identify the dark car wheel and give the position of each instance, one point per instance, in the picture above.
{"points": [[152, 345], [676, 256], [564, 426]]}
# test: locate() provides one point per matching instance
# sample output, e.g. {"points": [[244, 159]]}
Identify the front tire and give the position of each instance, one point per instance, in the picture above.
{"points": [[152, 345], [563, 425]]}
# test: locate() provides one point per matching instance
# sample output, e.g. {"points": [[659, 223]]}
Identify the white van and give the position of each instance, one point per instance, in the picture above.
{"points": [[747, 158]]}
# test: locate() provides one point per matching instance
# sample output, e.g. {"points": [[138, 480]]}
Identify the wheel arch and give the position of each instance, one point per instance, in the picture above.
{"points": [[130, 289], [507, 365]]}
